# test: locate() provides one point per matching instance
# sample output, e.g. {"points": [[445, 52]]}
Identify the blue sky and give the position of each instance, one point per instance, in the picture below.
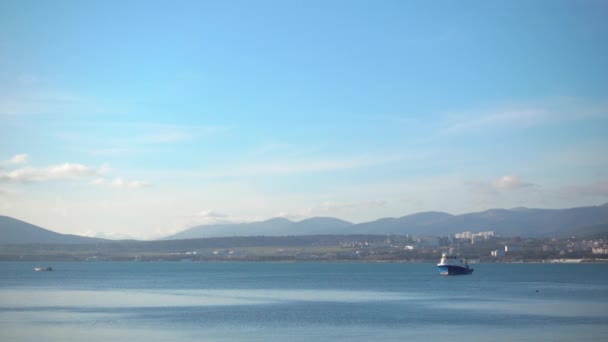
{"points": [[142, 118]]}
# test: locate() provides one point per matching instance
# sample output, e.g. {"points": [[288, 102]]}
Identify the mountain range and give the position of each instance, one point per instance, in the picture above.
{"points": [[507, 222], [13, 231], [274, 227], [525, 222]]}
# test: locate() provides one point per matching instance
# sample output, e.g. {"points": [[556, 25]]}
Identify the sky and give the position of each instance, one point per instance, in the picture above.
{"points": [[143, 118]]}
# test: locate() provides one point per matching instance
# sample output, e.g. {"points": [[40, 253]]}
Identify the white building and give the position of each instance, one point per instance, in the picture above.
{"points": [[498, 253], [512, 248], [470, 236], [599, 250], [485, 235], [464, 235]]}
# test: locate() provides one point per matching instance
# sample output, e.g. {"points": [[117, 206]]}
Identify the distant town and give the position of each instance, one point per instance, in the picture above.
{"points": [[498, 235], [483, 246]]}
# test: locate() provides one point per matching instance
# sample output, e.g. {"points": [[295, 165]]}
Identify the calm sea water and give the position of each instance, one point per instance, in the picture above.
{"points": [[302, 302]]}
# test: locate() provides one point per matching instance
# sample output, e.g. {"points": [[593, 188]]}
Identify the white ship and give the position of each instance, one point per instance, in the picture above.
{"points": [[453, 265], [42, 269]]}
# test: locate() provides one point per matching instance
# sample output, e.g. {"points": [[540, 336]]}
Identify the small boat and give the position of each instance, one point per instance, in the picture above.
{"points": [[453, 265], [43, 269]]}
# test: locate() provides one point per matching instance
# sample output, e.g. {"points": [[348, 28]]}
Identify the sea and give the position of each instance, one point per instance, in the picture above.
{"points": [[225, 301]]}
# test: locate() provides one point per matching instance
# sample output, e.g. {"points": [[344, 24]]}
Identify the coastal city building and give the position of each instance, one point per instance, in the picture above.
{"points": [[600, 250], [498, 253], [467, 235]]}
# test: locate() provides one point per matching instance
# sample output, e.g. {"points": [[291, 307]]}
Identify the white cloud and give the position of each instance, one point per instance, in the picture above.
{"points": [[333, 209], [66, 171], [120, 183], [288, 167], [207, 217], [292, 216], [204, 217], [501, 186], [108, 236], [99, 181], [511, 183], [18, 159], [211, 214]]}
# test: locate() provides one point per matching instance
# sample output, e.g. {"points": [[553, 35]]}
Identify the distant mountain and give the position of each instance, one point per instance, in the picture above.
{"points": [[272, 227], [597, 231], [320, 225], [525, 222], [533, 222], [420, 223], [507, 222], [13, 231]]}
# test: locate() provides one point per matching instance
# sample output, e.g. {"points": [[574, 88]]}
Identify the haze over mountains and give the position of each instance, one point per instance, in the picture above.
{"points": [[273, 227], [13, 231], [507, 222]]}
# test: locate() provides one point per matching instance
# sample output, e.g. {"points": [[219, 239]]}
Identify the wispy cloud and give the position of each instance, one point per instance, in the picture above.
{"points": [[15, 160], [523, 116], [288, 167], [108, 235], [18, 159], [136, 138], [27, 99], [511, 183], [333, 209], [203, 217], [501, 119], [66, 171], [503, 184], [120, 183], [208, 217]]}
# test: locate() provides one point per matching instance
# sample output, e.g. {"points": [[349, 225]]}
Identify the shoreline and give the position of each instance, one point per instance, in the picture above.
{"points": [[552, 261]]}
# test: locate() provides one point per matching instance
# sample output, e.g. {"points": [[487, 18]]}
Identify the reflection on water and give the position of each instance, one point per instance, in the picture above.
{"points": [[156, 315], [261, 302], [557, 308], [176, 298]]}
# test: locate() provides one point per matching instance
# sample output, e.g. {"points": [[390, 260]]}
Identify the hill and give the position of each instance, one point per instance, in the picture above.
{"points": [[507, 222], [415, 224], [525, 222], [597, 231], [272, 227], [13, 231], [269, 227]]}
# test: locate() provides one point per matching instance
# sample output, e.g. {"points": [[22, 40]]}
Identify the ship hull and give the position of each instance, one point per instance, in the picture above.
{"points": [[454, 270]]}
